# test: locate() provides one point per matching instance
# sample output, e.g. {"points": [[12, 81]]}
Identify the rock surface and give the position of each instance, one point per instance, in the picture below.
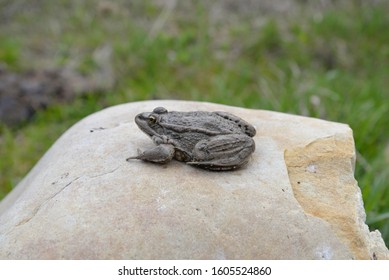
{"points": [[296, 199]]}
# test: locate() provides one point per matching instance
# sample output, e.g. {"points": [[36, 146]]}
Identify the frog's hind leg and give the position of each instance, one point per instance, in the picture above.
{"points": [[223, 152], [161, 154]]}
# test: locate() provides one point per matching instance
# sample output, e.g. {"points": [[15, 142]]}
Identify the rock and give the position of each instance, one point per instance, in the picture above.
{"points": [[296, 199]]}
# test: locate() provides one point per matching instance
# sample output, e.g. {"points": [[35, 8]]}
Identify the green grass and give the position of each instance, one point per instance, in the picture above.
{"points": [[332, 65]]}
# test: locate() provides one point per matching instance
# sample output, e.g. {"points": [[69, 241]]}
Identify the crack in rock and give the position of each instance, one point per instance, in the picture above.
{"points": [[36, 209], [103, 174], [39, 207]]}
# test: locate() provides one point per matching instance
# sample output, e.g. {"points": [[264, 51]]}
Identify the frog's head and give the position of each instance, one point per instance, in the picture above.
{"points": [[150, 123]]}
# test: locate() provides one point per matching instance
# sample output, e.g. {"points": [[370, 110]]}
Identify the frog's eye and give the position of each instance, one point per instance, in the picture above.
{"points": [[152, 119]]}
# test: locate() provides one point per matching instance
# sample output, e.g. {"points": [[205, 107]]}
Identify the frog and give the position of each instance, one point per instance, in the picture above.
{"points": [[215, 141]]}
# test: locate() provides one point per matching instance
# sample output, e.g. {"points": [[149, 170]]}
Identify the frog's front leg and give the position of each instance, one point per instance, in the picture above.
{"points": [[223, 152], [163, 153]]}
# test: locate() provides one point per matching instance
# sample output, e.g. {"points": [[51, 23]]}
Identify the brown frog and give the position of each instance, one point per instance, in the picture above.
{"points": [[210, 140]]}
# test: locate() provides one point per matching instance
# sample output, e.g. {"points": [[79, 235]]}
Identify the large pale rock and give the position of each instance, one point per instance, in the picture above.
{"points": [[296, 199]]}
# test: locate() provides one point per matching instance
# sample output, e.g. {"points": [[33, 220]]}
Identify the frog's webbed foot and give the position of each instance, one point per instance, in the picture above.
{"points": [[224, 152], [160, 154]]}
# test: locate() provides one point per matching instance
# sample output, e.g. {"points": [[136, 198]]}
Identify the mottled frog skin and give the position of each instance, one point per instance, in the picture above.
{"points": [[210, 140]]}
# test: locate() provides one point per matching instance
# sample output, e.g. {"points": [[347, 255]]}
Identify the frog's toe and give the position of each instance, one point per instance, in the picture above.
{"points": [[135, 157]]}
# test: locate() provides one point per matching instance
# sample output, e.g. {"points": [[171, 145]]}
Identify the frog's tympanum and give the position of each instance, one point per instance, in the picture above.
{"points": [[210, 140]]}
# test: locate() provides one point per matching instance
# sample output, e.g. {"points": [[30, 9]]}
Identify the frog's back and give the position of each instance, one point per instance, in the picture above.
{"points": [[240, 123], [211, 123]]}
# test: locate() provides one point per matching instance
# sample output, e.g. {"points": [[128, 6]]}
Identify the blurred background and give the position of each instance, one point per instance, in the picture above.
{"points": [[63, 60]]}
